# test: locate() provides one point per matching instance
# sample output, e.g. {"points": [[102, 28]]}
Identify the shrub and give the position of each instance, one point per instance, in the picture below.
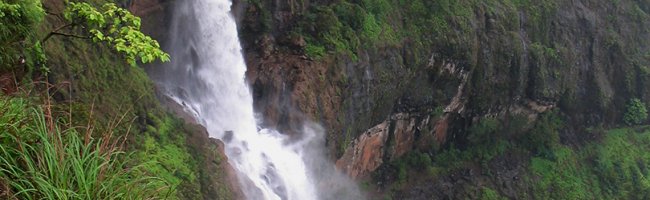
{"points": [[544, 136], [636, 112], [490, 194], [486, 139], [484, 131], [314, 51]]}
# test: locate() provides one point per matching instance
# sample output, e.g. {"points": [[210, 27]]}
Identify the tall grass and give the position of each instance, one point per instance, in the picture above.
{"points": [[41, 160]]}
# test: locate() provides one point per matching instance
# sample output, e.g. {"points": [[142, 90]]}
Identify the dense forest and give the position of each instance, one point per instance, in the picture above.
{"points": [[418, 99]]}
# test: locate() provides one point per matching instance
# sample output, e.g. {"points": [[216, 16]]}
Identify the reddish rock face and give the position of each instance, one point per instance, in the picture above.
{"points": [[440, 129], [372, 148], [366, 153], [404, 135]]}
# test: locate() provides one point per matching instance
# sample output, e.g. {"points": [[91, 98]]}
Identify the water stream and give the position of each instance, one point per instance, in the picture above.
{"points": [[207, 77]]}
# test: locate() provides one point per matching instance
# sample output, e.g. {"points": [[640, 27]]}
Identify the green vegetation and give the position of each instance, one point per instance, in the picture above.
{"points": [[544, 136], [349, 27], [636, 112], [114, 26], [315, 51], [40, 159], [484, 130], [411, 165], [615, 168], [163, 150], [438, 111], [622, 162], [342, 28], [111, 25], [90, 83], [564, 174], [490, 194], [17, 20]]}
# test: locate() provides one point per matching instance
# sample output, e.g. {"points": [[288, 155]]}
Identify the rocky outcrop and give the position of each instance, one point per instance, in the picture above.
{"points": [[403, 133], [283, 86], [385, 142], [366, 153]]}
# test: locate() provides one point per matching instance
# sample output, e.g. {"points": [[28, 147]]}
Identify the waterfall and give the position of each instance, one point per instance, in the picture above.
{"points": [[207, 77]]}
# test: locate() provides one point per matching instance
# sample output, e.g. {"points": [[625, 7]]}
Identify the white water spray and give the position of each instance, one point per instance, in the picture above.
{"points": [[207, 77]]}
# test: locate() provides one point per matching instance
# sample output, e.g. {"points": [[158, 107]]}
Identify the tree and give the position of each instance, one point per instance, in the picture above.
{"points": [[111, 25], [636, 112]]}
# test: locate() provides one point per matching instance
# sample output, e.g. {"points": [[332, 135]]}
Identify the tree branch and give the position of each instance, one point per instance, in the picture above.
{"points": [[51, 11], [69, 35], [56, 31]]}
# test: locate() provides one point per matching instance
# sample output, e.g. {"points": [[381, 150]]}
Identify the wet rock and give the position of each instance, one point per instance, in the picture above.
{"points": [[227, 136]]}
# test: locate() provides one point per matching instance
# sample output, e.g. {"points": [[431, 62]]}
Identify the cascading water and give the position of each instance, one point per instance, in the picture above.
{"points": [[207, 77]]}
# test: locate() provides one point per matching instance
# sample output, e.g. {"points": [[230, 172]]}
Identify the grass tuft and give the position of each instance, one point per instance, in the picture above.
{"points": [[41, 160]]}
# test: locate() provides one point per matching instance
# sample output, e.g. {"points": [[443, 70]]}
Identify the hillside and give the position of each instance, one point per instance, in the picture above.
{"points": [[89, 89]]}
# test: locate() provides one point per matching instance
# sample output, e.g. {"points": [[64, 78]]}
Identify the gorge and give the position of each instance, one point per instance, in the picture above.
{"points": [[324, 99]]}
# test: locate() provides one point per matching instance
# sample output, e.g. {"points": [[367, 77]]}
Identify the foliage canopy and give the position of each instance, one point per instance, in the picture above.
{"points": [[17, 20], [114, 26]]}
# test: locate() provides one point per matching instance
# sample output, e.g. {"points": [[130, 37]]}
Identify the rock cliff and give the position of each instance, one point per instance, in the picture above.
{"points": [[390, 77]]}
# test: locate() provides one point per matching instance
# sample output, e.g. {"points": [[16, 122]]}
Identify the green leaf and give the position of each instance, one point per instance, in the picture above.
{"points": [[122, 34]]}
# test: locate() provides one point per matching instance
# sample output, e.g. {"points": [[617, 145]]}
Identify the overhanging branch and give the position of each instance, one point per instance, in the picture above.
{"points": [[56, 32], [70, 35]]}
